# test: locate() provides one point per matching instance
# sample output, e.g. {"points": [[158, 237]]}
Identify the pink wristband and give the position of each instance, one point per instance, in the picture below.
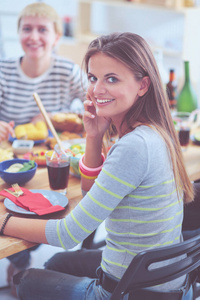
{"points": [[90, 171]]}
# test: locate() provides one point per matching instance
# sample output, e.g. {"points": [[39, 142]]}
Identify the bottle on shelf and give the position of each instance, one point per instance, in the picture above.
{"points": [[172, 90], [67, 26], [187, 99]]}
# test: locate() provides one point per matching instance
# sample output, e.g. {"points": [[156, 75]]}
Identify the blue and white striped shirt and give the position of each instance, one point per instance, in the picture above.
{"points": [[57, 88]]}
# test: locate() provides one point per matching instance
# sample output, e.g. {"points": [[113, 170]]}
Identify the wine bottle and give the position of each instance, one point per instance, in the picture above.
{"points": [[172, 90], [187, 99]]}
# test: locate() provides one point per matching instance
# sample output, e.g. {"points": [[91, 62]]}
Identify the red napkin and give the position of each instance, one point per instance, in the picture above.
{"points": [[34, 202]]}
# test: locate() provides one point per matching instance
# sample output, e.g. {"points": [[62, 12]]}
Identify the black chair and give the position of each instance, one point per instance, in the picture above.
{"points": [[138, 278], [89, 242]]}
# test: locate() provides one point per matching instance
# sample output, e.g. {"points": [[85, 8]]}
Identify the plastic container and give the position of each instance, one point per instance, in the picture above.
{"points": [[22, 146]]}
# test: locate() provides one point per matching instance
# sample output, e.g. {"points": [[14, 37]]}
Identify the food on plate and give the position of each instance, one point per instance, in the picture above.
{"points": [[67, 121], [5, 154], [32, 131], [65, 135], [50, 142], [17, 167], [39, 157]]}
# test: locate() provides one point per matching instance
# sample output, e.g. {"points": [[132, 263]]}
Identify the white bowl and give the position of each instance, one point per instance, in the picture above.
{"points": [[22, 146]]}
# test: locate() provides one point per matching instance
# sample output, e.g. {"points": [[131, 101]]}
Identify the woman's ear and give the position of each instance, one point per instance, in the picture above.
{"points": [[145, 83]]}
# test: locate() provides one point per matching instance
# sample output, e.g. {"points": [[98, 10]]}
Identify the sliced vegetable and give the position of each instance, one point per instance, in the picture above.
{"points": [[14, 168], [27, 166], [78, 149]]}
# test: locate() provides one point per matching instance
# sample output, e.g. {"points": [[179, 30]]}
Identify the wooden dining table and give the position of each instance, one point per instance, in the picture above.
{"points": [[10, 245]]}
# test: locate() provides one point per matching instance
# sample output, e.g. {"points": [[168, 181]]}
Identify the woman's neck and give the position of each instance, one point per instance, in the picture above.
{"points": [[35, 68], [124, 129]]}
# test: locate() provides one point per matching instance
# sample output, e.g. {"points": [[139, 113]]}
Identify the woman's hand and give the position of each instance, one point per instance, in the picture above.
{"points": [[93, 124], [6, 129]]}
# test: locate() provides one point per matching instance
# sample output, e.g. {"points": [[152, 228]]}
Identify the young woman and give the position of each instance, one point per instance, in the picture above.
{"points": [[57, 80], [138, 190]]}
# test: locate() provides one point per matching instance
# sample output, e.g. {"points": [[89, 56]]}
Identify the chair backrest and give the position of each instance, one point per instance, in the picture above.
{"points": [[138, 275]]}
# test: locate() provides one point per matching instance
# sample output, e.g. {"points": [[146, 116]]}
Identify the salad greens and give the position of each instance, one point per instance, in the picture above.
{"points": [[15, 168], [27, 166]]}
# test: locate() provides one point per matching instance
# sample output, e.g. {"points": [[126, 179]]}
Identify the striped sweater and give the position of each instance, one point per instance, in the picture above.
{"points": [[57, 88], [136, 196]]}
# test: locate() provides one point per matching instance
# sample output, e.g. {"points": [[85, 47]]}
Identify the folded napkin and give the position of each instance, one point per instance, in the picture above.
{"points": [[34, 202]]}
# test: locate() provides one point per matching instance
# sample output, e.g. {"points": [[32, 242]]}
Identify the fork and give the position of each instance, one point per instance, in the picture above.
{"points": [[17, 189], [12, 193]]}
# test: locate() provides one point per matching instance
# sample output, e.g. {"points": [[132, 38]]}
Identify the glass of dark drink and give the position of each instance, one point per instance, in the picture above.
{"points": [[58, 165], [182, 124]]}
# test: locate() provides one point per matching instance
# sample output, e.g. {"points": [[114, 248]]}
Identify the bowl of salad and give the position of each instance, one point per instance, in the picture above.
{"points": [[17, 170], [75, 148]]}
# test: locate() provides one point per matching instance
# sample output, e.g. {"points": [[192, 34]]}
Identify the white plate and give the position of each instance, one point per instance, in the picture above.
{"points": [[54, 197]]}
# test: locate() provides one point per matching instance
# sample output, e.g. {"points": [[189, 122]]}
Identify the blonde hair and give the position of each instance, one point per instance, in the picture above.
{"points": [[152, 109], [42, 10]]}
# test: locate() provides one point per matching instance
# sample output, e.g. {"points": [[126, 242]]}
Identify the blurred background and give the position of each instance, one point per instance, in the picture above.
{"points": [[169, 26]]}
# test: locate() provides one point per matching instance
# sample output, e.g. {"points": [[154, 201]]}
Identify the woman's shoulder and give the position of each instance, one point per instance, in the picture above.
{"points": [[144, 138], [9, 61], [65, 66], [63, 61], [143, 133], [9, 67]]}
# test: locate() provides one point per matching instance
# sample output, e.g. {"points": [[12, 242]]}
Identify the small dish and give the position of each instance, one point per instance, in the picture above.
{"points": [[22, 146]]}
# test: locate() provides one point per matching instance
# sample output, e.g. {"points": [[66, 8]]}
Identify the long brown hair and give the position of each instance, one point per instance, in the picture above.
{"points": [[152, 108]]}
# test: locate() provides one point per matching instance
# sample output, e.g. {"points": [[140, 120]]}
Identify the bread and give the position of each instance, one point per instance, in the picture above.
{"points": [[65, 135], [32, 131], [67, 122]]}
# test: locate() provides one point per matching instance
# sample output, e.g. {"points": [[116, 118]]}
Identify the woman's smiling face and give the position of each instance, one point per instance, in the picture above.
{"points": [[37, 36], [112, 87]]}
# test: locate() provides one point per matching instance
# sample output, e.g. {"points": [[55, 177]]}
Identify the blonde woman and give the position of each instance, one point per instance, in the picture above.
{"points": [[57, 80], [138, 189]]}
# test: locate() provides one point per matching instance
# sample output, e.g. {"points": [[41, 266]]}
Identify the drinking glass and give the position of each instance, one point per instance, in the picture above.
{"points": [[183, 125], [58, 165]]}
